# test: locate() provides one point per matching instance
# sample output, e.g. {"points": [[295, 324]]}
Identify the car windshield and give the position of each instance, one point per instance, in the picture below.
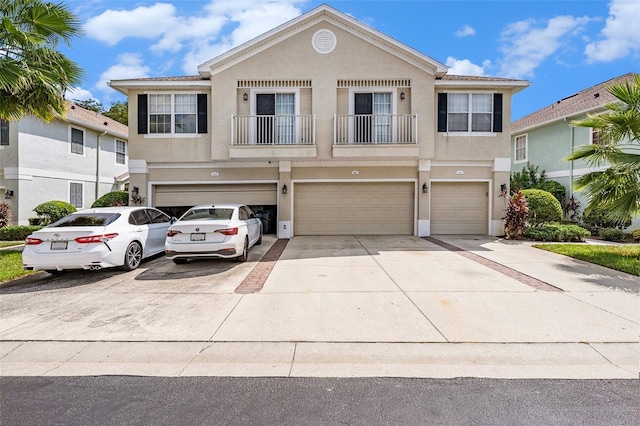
{"points": [[91, 219], [208, 214]]}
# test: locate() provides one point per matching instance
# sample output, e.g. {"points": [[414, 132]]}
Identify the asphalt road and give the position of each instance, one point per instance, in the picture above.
{"points": [[118, 400]]}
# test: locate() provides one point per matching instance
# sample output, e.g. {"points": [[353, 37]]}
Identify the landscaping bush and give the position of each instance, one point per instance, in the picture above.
{"points": [[611, 234], [543, 206], [555, 188], [570, 208], [557, 232], [516, 215], [635, 234], [51, 211], [116, 198], [5, 214], [599, 218], [17, 233]]}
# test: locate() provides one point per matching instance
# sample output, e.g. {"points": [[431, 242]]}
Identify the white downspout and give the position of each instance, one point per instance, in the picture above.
{"points": [[98, 164]]}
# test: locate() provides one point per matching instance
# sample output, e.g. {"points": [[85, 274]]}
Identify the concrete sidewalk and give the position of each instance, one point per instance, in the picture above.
{"points": [[334, 306]]}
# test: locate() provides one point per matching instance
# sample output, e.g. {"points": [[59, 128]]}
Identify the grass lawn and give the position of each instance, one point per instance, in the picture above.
{"points": [[11, 265], [625, 258]]}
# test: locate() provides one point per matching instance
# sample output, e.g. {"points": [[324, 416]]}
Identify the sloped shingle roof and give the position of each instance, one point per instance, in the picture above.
{"points": [[79, 115], [588, 100]]}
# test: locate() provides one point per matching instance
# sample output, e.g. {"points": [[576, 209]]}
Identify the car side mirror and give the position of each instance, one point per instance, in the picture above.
{"points": [[173, 219]]}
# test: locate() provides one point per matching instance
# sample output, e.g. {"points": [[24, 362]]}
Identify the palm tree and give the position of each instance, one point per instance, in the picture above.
{"points": [[33, 74], [617, 188]]}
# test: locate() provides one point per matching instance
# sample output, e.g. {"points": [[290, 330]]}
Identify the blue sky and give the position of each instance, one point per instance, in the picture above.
{"points": [[560, 46]]}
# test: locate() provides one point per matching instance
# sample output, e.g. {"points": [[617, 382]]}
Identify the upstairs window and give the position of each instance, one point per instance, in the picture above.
{"points": [[596, 137], [172, 114], [4, 132], [77, 141], [470, 112], [521, 148], [121, 152]]}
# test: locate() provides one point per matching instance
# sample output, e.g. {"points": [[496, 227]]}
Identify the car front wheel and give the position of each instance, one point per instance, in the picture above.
{"points": [[132, 257]]}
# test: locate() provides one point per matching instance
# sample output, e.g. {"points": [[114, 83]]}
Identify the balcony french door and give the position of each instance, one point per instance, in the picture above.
{"points": [[275, 118], [372, 118]]}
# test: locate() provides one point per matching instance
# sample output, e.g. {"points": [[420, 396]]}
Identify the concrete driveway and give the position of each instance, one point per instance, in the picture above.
{"points": [[332, 306]]}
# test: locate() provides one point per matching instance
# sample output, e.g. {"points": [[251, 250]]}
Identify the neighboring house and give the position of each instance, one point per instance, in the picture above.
{"points": [[77, 159], [544, 137], [327, 127]]}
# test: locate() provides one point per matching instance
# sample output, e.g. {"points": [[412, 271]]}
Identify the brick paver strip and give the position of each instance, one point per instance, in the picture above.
{"points": [[512, 273], [255, 280]]}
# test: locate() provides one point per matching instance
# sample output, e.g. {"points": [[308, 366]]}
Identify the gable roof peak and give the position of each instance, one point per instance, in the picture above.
{"points": [[298, 24]]}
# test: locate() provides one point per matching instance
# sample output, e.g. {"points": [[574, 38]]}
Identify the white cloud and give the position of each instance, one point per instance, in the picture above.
{"points": [[528, 44], [129, 65], [250, 18], [465, 31], [78, 93], [466, 67], [619, 38], [112, 26], [219, 26]]}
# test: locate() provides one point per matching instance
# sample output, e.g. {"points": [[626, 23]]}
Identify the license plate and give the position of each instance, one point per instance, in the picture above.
{"points": [[58, 245], [197, 237]]}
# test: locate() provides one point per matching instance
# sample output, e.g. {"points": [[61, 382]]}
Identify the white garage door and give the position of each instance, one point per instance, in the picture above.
{"points": [[354, 208], [190, 195], [459, 208]]}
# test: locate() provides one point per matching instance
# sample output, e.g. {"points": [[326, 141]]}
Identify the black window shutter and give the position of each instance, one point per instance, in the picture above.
{"points": [[202, 113], [497, 112], [142, 114], [442, 112], [4, 132]]}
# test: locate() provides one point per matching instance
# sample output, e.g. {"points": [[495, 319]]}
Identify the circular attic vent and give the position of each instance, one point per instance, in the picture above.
{"points": [[324, 41]]}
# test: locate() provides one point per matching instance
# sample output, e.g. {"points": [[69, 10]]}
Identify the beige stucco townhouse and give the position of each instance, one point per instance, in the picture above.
{"points": [[327, 127]]}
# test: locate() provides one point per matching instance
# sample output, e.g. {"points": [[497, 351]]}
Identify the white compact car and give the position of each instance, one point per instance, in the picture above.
{"points": [[220, 230], [97, 238]]}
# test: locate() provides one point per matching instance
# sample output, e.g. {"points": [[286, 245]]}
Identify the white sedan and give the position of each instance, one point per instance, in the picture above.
{"points": [[220, 230], [97, 238]]}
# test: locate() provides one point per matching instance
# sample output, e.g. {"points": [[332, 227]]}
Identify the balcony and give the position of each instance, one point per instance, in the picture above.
{"points": [[273, 136], [376, 135]]}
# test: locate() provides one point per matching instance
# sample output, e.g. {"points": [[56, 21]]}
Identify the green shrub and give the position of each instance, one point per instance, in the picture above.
{"points": [[555, 188], [599, 218], [543, 206], [5, 214], [51, 211], [635, 234], [557, 232], [17, 233], [526, 179], [611, 234], [116, 198]]}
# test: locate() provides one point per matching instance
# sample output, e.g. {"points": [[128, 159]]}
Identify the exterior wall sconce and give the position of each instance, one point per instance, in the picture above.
{"points": [[425, 188], [503, 189], [135, 190], [245, 97], [402, 96], [8, 194], [284, 189]]}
